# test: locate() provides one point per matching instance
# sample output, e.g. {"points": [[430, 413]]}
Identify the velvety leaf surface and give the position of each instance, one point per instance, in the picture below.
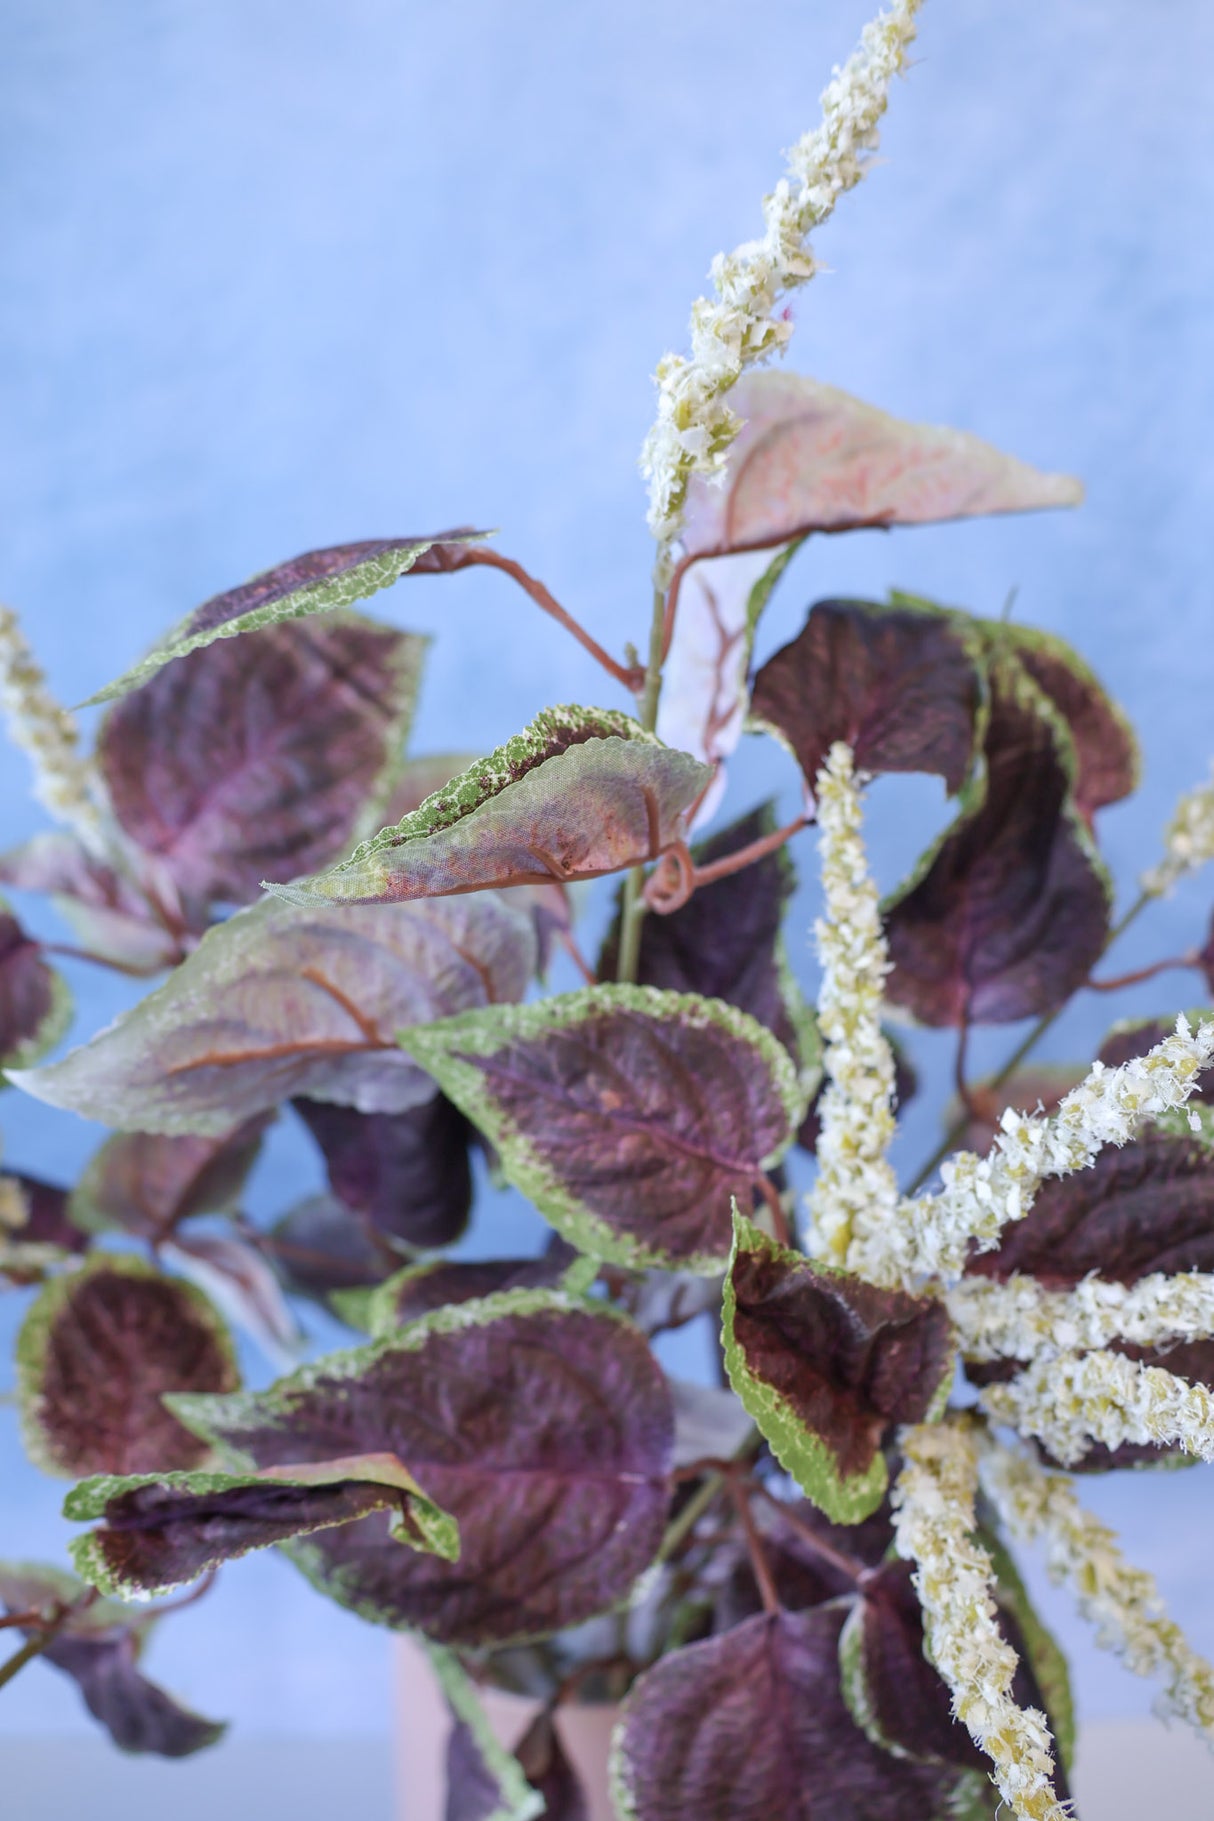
{"points": [[811, 458], [826, 1363], [35, 1005], [317, 582], [407, 1174], [1106, 751], [107, 914], [282, 1000], [97, 1350], [319, 1246], [145, 1183], [440, 1284], [542, 1426], [752, 1724], [581, 791], [901, 685], [1008, 914], [262, 756], [99, 1649], [161, 1531], [630, 1117]]}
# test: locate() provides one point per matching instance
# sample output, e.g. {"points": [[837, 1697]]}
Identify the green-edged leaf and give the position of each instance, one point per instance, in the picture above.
{"points": [[317, 582], [99, 1647], [1007, 914], [266, 755], [543, 1426], [485, 1782], [406, 1175], [474, 1786], [421, 776], [581, 791], [162, 1530], [811, 458], [441, 1283], [1107, 759], [826, 1364], [145, 1183], [98, 1349], [281, 1000], [901, 684], [35, 1004], [629, 1116]]}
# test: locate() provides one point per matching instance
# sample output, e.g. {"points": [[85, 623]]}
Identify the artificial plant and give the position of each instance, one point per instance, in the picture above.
{"points": [[800, 1583]]}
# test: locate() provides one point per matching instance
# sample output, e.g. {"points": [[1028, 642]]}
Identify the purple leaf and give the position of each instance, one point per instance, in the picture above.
{"points": [[48, 1221], [407, 1174], [319, 1246], [1106, 751], [280, 1001], [317, 582], [35, 1005], [263, 755], [810, 458], [543, 1427], [145, 1183], [473, 1790], [580, 792], [629, 1116], [826, 1364], [241, 1284], [440, 1284], [161, 1531], [548, 1770], [98, 1348], [1007, 915], [107, 914], [900, 684], [753, 1724]]}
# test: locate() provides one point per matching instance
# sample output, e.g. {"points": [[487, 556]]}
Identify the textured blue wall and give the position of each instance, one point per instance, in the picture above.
{"points": [[279, 273]]}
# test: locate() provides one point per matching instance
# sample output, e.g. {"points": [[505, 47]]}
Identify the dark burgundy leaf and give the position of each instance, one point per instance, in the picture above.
{"points": [[444, 1282], [34, 1003], [901, 685], [319, 1246], [543, 1427], [107, 914], [826, 1364], [631, 1117], [473, 1791], [802, 1575], [549, 1772], [407, 1174], [145, 1183], [1106, 752], [753, 1725], [48, 1221], [1009, 912], [97, 1350]]}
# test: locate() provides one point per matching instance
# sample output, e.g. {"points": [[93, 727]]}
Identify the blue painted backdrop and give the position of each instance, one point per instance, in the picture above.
{"points": [[280, 273]]}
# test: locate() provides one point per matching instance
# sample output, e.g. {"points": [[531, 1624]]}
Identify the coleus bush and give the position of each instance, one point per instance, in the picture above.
{"points": [[799, 1582]]}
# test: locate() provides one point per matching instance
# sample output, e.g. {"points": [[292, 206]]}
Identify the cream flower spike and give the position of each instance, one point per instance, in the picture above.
{"points": [[1069, 1402], [1188, 840], [1121, 1601], [46, 733], [694, 427], [1019, 1320]]}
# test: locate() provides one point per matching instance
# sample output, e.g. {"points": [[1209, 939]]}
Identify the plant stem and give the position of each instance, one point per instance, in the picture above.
{"points": [[1140, 974], [50, 1629], [754, 1546], [476, 553], [633, 908]]}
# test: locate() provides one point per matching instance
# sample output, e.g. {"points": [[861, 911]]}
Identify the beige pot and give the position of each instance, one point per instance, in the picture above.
{"points": [[424, 1725]]}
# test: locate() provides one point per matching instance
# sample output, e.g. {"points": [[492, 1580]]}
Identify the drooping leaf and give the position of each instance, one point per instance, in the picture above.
{"points": [[705, 689], [35, 1004], [580, 792], [629, 1116], [443, 1282], [810, 458], [317, 582], [826, 1364], [243, 1287], [161, 1531], [97, 1350], [753, 1724], [1006, 916], [266, 755], [407, 1174], [485, 1782], [106, 912], [902, 685], [99, 1648], [319, 1246], [547, 1768], [543, 1426], [146, 1183], [281, 1001]]}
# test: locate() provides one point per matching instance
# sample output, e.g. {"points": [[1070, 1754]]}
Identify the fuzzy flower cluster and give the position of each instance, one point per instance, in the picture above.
{"points": [[1019, 1320], [856, 1192], [694, 426], [1188, 840], [933, 1528], [47, 734], [1121, 1601], [1070, 1400]]}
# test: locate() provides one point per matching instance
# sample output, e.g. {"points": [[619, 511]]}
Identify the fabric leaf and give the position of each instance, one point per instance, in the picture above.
{"points": [[280, 1001], [317, 582], [266, 755], [826, 1364], [161, 1531], [35, 1004], [902, 685], [543, 1426], [629, 1116], [406, 1174], [97, 1350], [145, 1183], [580, 792], [811, 458]]}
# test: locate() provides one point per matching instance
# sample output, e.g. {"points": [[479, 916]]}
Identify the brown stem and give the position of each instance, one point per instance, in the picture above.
{"points": [[964, 1093], [754, 850], [754, 1545], [196, 1593], [846, 1564], [569, 943], [631, 676], [779, 1219], [1192, 959], [632, 908], [680, 1528], [34, 1617], [49, 1629]]}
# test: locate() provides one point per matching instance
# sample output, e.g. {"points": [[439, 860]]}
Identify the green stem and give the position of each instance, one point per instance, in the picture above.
{"points": [[633, 908], [1023, 1049]]}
